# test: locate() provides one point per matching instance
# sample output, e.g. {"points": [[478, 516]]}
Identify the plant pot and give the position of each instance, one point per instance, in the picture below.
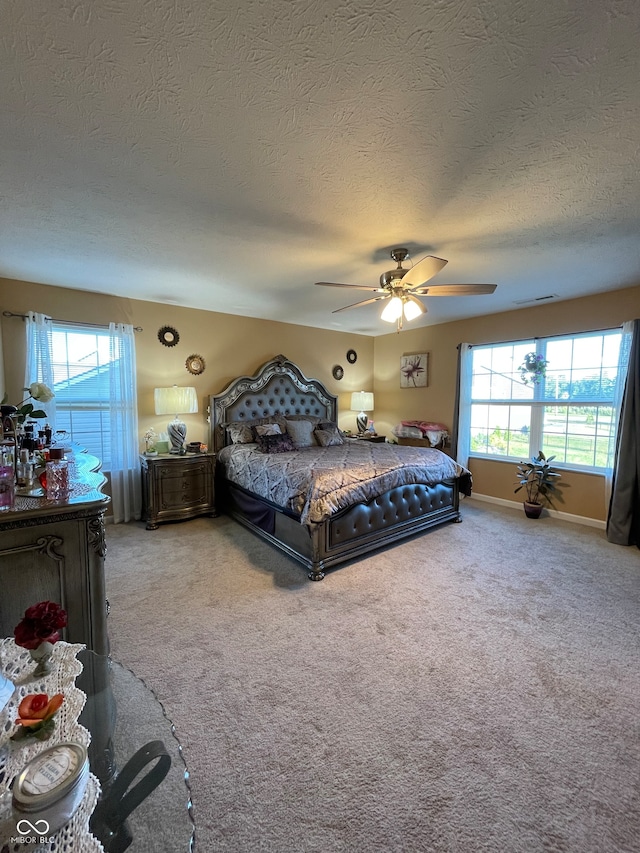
{"points": [[532, 510]]}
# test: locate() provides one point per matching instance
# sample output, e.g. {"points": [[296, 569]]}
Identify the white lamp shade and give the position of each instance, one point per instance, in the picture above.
{"points": [[413, 308], [393, 310], [362, 401], [175, 400]]}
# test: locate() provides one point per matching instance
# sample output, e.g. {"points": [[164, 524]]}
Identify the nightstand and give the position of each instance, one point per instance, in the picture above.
{"points": [[376, 439], [175, 488]]}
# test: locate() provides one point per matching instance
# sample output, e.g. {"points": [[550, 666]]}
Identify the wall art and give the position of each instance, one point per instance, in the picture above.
{"points": [[195, 364], [168, 336], [413, 370]]}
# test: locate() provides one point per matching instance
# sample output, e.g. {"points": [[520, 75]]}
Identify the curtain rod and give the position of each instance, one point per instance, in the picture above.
{"points": [[69, 322], [543, 337]]}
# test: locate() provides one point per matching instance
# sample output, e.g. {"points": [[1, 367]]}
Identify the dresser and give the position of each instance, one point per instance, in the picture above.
{"points": [[175, 488], [55, 550]]}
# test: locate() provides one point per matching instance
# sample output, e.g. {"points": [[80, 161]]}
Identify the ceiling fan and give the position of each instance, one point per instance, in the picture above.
{"points": [[403, 286]]}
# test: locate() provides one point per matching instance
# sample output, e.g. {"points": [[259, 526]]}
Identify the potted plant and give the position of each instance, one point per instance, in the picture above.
{"points": [[533, 368], [538, 478]]}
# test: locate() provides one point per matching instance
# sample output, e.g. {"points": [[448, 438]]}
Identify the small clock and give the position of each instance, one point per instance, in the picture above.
{"points": [[352, 356], [168, 336], [337, 372], [195, 364]]}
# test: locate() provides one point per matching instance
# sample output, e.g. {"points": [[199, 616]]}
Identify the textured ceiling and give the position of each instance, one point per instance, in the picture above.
{"points": [[227, 155]]}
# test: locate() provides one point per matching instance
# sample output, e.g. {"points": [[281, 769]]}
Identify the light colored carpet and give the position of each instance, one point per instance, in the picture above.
{"points": [[476, 688]]}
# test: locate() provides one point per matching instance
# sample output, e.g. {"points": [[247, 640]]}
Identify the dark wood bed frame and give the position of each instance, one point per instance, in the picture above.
{"points": [[280, 387]]}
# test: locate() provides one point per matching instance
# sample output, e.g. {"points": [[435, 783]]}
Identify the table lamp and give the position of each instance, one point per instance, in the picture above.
{"points": [[363, 401], [176, 401]]}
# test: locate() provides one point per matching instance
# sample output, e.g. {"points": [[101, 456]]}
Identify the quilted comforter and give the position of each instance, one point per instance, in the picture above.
{"points": [[316, 482]]}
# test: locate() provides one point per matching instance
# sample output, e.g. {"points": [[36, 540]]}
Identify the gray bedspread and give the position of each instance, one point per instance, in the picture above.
{"points": [[316, 482]]}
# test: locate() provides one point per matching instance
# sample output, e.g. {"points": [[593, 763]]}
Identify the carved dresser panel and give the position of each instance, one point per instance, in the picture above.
{"points": [[55, 550]]}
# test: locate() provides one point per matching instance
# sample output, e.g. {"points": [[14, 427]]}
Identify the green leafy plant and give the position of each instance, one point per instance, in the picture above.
{"points": [[538, 478]]}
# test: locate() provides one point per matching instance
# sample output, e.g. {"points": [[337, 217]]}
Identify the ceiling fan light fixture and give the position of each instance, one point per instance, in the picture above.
{"points": [[401, 287], [392, 310], [413, 308]]}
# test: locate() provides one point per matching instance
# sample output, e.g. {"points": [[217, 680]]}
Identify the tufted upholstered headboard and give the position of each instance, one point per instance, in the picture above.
{"points": [[278, 388]]}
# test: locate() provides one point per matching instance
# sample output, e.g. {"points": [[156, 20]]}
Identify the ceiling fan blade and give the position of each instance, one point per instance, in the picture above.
{"points": [[359, 304], [423, 271], [354, 286], [455, 289]]}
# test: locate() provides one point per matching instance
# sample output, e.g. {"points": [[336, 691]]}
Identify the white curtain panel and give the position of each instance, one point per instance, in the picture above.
{"points": [[618, 393], [123, 398], [464, 417], [125, 464], [39, 361]]}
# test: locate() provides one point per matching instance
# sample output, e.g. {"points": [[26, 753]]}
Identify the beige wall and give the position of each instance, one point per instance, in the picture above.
{"points": [[231, 346], [234, 345], [585, 493]]}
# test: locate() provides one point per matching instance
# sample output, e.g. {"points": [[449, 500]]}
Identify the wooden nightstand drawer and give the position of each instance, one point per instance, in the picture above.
{"points": [[175, 488]]}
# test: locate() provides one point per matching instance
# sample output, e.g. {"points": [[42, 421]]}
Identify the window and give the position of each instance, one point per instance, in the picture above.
{"points": [[568, 413], [81, 361], [92, 371]]}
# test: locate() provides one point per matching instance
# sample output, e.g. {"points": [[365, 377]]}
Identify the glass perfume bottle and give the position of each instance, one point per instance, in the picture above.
{"points": [[57, 475], [7, 482]]}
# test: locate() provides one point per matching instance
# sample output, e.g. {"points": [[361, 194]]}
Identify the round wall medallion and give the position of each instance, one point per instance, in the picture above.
{"points": [[338, 372], [195, 364], [168, 336], [352, 356]]}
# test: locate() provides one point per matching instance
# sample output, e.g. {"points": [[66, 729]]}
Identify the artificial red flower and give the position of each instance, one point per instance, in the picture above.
{"points": [[37, 708], [40, 624]]}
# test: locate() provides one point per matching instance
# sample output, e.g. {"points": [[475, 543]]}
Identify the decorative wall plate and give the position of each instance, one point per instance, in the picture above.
{"points": [[337, 372], [195, 364], [168, 336], [352, 356]]}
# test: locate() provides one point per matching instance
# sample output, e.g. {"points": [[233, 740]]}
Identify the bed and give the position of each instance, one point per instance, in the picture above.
{"points": [[321, 505]]}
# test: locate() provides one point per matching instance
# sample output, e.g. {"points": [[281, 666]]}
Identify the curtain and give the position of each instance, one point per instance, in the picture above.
{"points": [[618, 392], [623, 520], [39, 361], [462, 413], [123, 399], [125, 463]]}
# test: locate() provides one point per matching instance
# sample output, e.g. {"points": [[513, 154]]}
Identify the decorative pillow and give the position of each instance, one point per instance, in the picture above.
{"points": [[314, 419], [331, 426], [275, 443], [240, 434], [266, 429], [328, 438], [301, 432], [242, 430]]}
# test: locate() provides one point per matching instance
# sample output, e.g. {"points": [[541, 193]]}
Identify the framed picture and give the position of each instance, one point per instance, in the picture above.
{"points": [[413, 370]]}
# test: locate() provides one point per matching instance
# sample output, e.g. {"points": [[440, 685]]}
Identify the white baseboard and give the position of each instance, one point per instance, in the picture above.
{"points": [[554, 513]]}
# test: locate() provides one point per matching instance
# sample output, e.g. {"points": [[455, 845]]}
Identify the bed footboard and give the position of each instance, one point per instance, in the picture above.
{"points": [[397, 514]]}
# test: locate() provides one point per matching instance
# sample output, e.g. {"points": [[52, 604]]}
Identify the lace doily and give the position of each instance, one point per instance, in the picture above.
{"points": [[17, 665]]}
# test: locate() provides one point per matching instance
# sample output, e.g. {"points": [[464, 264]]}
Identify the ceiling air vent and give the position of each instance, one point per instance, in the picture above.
{"points": [[535, 300]]}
